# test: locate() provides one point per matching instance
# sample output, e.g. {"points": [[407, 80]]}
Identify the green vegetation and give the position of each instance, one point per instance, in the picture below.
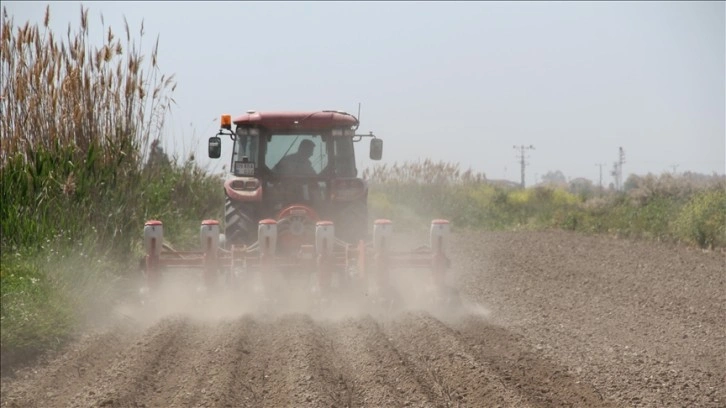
{"points": [[81, 171], [688, 208]]}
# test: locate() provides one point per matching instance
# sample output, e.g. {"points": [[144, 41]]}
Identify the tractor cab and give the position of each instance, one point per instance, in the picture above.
{"points": [[306, 160]]}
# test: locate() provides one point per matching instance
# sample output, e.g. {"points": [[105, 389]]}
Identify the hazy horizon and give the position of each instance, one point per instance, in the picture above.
{"points": [[459, 82]]}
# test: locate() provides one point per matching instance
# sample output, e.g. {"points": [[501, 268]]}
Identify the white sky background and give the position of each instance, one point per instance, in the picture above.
{"points": [[454, 82]]}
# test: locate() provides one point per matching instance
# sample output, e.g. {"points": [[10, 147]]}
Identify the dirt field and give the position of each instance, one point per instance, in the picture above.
{"points": [[549, 319]]}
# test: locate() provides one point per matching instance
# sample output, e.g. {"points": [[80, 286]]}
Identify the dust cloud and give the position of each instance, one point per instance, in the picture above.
{"points": [[294, 292]]}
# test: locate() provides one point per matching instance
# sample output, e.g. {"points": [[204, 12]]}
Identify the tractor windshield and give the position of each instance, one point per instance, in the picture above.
{"points": [[310, 155], [297, 155]]}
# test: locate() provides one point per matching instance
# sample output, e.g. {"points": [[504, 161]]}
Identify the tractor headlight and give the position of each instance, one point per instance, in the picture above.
{"points": [[245, 185]]}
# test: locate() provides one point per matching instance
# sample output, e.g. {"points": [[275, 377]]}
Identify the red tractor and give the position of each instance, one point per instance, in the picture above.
{"points": [[296, 206], [297, 168]]}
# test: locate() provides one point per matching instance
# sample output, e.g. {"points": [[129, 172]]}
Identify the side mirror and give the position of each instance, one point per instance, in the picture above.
{"points": [[376, 149], [215, 147]]}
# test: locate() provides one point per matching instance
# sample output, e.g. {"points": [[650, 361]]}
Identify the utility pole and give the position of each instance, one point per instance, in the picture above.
{"points": [[618, 169], [600, 184], [674, 166], [522, 157], [621, 160]]}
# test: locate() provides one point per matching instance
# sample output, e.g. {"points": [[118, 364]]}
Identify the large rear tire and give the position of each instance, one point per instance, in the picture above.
{"points": [[240, 223]]}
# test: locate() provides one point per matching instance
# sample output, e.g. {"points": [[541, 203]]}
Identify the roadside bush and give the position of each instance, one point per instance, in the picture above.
{"points": [[414, 193], [702, 221], [690, 207]]}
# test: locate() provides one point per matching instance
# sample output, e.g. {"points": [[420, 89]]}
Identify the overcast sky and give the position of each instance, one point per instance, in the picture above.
{"points": [[456, 82]]}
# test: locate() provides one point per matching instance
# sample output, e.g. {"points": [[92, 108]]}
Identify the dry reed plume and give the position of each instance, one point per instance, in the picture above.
{"points": [[58, 94]]}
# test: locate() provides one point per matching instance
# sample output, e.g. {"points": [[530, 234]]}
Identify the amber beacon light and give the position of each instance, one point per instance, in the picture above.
{"points": [[226, 122]]}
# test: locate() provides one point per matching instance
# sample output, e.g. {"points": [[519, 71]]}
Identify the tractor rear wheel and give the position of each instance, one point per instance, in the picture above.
{"points": [[240, 222]]}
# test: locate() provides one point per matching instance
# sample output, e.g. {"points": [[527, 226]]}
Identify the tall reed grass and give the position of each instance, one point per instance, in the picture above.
{"points": [[77, 125], [80, 171]]}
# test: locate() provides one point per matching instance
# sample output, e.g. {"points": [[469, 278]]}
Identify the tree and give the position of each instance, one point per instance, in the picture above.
{"points": [[554, 177], [582, 187]]}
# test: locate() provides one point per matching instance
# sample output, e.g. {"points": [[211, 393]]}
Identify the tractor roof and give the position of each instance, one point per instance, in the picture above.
{"points": [[297, 120]]}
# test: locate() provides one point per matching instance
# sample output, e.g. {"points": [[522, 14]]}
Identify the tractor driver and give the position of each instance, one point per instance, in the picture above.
{"points": [[298, 163]]}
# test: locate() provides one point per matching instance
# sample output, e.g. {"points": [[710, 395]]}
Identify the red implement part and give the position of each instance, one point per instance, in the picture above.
{"points": [[296, 227], [298, 211]]}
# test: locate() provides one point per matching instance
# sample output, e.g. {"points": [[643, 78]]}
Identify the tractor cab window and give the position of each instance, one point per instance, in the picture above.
{"points": [[296, 155], [345, 157], [244, 155]]}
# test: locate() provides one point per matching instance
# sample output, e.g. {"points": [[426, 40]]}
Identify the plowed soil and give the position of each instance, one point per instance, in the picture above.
{"points": [[547, 319]]}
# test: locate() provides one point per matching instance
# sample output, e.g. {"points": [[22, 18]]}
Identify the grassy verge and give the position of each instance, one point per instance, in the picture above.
{"points": [[48, 287], [45, 298], [34, 314]]}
